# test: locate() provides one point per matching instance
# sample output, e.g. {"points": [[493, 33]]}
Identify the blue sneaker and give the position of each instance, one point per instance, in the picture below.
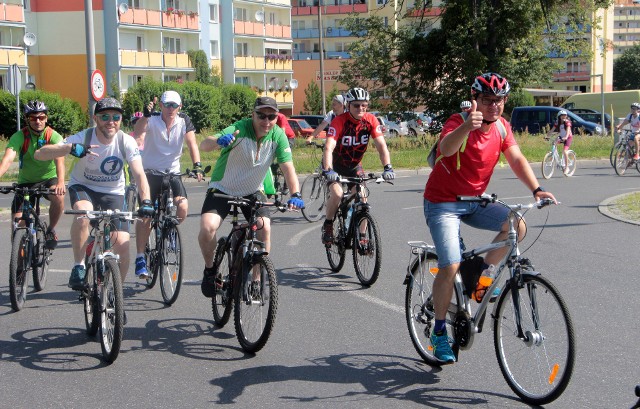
{"points": [[141, 268], [442, 348], [76, 280]]}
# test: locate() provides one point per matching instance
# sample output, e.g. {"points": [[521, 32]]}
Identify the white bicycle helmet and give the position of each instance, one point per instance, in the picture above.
{"points": [[356, 94], [465, 105], [635, 105], [561, 112]]}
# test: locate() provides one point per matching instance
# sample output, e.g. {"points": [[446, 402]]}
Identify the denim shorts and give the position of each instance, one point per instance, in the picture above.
{"points": [[444, 219]]}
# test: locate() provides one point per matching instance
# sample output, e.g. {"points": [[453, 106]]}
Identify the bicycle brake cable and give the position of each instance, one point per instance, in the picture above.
{"points": [[539, 234]]}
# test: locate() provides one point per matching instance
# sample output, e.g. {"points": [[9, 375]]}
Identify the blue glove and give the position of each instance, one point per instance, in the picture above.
{"points": [[79, 150], [296, 201], [145, 209], [388, 173], [225, 140], [331, 175]]}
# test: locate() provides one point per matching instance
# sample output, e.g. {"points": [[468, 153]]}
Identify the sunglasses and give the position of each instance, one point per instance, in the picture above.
{"points": [[171, 105], [35, 118], [490, 101], [262, 116], [107, 117], [358, 106]]}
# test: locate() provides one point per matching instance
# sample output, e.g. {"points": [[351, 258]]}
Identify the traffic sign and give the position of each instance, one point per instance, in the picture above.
{"points": [[14, 78], [98, 85]]}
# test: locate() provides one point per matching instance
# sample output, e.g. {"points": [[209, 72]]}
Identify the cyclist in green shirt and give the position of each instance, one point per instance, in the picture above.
{"points": [[32, 172]]}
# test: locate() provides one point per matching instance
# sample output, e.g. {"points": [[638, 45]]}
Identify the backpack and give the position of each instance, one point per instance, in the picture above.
{"points": [[87, 141], [48, 131], [432, 159]]}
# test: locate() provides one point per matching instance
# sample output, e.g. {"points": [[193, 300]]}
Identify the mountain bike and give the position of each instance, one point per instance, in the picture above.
{"points": [[28, 250], [314, 189], [554, 159], [245, 276], [102, 294], [163, 252], [355, 228], [131, 193], [533, 332], [623, 158]]}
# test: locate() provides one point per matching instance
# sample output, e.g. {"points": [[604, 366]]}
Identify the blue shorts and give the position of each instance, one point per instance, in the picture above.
{"points": [[444, 219]]}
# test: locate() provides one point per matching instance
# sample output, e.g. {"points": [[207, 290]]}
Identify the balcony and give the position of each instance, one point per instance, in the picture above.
{"points": [[426, 12], [279, 65], [10, 57], [572, 76], [155, 59], [275, 30], [280, 97], [180, 19], [249, 63], [142, 17], [344, 9], [626, 30], [328, 32], [258, 29], [11, 12], [329, 55]]}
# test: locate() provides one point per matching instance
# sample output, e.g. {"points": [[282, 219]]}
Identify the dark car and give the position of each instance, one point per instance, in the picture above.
{"points": [[592, 115], [537, 119], [313, 120]]}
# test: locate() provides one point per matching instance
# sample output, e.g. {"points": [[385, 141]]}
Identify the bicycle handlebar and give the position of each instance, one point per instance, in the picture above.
{"points": [[27, 190], [316, 144], [360, 179], [188, 173], [485, 199], [244, 202], [103, 214]]}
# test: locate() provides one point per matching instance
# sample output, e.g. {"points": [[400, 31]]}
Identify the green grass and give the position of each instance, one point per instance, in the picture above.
{"points": [[406, 153], [627, 206]]}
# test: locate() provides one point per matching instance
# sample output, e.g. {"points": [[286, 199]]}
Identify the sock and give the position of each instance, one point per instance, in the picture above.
{"points": [[440, 327], [140, 255], [79, 264], [327, 221]]}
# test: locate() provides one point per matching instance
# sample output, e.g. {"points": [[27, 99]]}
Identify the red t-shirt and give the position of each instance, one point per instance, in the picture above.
{"points": [[477, 162], [283, 123], [352, 137]]}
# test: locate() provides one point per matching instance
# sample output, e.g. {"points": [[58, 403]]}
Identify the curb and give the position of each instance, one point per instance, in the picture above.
{"points": [[603, 208]]}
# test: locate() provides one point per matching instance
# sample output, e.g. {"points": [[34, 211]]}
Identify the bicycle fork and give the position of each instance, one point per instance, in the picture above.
{"points": [[253, 287]]}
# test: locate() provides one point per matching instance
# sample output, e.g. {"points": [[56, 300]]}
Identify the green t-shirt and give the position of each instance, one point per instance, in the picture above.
{"points": [[32, 170], [242, 166]]}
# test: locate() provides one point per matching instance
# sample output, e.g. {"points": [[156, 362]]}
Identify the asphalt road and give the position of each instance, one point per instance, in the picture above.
{"points": [[335, 344]]}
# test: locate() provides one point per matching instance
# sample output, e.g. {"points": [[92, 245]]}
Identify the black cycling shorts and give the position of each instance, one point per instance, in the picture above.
{"points": [[221, 206], [16, 204], [100, 201]]}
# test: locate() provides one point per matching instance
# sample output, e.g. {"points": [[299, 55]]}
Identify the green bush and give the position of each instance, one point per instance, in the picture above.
{"points": [[65, 115], [518, 98]]}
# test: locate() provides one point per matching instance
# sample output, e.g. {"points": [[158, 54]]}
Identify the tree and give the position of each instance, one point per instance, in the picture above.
{"points": [[313, 99], [418, 64], [626, 71], [200, 63]]}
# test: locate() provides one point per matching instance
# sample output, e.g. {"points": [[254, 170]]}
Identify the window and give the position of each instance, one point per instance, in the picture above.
{"points": [[272, 19], [140, 43], [134, 3], [171, 45], [176, 4], [241, 49], [133, 80], [240, 14], [297, 25], [213, 13], [242, 80], [173, 78], [381, 2], [214, 49]]}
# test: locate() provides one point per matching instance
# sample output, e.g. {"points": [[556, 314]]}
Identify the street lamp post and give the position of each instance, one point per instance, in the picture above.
{"points": [[321, 45]]}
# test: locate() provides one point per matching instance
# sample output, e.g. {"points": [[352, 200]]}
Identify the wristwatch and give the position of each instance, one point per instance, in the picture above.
{"points": [[538, 189]]}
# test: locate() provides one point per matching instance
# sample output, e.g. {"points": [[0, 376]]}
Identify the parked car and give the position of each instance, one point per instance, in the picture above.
{"points": [[592, 115], [313, 120], [393, 128], [537, 119], [412, 121], [302, 129]]}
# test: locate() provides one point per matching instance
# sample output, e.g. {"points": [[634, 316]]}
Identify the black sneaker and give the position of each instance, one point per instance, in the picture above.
{"points": [[208, 285], [327, 234], [51, 239]]}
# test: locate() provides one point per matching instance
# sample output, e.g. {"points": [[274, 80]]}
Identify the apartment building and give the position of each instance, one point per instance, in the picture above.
{"points": [[12, 47], [626, 29]]}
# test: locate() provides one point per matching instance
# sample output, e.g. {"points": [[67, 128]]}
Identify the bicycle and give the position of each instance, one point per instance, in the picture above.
{"points": [[28, 250], [624, 154], [554, 159], [245, 276], [355, 228], [533, 331], [131, 194], [314, 189], [163, 252], [102, 294]]}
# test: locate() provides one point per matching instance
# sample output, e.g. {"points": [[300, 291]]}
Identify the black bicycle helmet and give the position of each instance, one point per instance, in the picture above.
{"points": [[356, 94], [490, 83], [34, 107]]}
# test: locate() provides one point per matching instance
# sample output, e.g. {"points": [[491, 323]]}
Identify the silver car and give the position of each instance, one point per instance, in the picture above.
{"points": [[392, 129]]}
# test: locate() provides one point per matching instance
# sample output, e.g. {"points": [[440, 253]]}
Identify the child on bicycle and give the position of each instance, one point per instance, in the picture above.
{"points": [[563, 127], [634, 119]]}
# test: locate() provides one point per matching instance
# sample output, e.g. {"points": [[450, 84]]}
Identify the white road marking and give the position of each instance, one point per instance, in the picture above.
{"points": [[293, 241]]}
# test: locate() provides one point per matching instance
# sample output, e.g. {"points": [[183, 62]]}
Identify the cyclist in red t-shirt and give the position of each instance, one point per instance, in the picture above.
{"points": [[347, 142]]}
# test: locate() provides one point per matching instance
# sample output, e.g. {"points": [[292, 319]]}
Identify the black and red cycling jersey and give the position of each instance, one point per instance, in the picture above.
{"points": [[352, 138]]}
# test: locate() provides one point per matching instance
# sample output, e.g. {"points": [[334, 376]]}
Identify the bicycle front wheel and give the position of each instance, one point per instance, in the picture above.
{"points": [[537, 365], [112, 311], [18, 268], [548, 165], [170, 269], [90, 301], [221, 302], [621, 161], [572, 164], [151, 256], [367, 249], [337, 250], [40, 263], [314, 194], [256, 305]]}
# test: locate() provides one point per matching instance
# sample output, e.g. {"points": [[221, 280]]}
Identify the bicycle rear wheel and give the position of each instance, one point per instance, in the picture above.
{"points": [[418, 305], [90, 301], [18, 268], [170, 269], [255, 315], [548, 165], [367, 249], [537, 368], [112, 311], [337, 250], [314, 194], [151, 257], [621, 161], [222, 299], [40, 262], [572, 165]]}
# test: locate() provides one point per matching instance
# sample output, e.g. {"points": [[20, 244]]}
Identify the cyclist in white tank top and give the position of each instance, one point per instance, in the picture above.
{"points": [[634, 119]]}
